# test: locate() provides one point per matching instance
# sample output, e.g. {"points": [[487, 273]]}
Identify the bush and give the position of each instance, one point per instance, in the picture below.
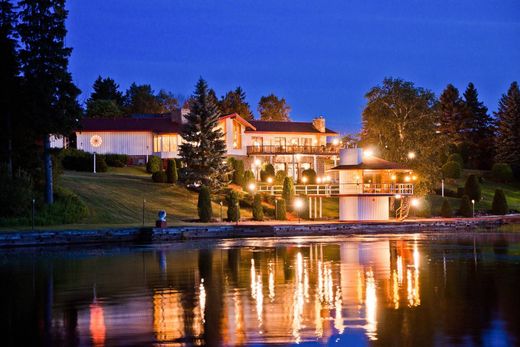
{"points": [[249, 177], [159, 177], [281, 212], [73, 159], [16, 193], [446, 210], [288, 191], [311, 176], [457, 158], [171, 171], [279, 177], [465, 209], [233, 211], [268, 171], [451, 169], [204, 205], [502, 172], [238, 172], [67, 208], [154, 164], [499, 205], [472, 188], [258, 211], [116, 160]]}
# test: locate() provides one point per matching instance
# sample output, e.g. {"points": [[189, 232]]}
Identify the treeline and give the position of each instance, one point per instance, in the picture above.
{"points": [[401, 118], [108, 101]]}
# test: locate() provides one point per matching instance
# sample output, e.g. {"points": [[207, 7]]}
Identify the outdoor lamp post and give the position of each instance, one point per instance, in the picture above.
{"points": [[221, 216], [415, 204], [298, 205], [473, 205], [251, 187]]}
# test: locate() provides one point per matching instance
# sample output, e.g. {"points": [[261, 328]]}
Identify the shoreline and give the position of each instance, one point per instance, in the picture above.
{"points": [[245, 230]]}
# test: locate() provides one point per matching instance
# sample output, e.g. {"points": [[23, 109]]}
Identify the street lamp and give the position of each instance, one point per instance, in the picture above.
{"points": [[368, 153], [473, 203], [298, 205]]}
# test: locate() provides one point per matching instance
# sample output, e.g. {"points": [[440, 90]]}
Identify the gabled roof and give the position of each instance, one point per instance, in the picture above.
{"points": [[373, 163], [158, 125], [239, 119], [288, 127]]}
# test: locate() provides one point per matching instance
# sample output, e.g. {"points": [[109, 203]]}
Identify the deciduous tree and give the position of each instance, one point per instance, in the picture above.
{"points": [[235, 102], [272, 108]]}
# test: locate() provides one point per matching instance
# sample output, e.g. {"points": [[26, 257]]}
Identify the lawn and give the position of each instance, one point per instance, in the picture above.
{"points": [[116, 198]]}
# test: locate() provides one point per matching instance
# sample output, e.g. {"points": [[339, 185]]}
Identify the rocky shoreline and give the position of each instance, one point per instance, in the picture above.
{"points": [[244, 230]]}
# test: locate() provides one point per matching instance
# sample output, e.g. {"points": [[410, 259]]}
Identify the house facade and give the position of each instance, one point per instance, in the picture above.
{"points": [[289, 146]]}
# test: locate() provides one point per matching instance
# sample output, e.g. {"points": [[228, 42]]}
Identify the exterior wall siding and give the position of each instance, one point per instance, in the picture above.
{"points": [[130, 143], [352, 208]]}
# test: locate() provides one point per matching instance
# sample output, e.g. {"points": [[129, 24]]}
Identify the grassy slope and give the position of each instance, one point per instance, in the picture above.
{"points": [[116, 197]]}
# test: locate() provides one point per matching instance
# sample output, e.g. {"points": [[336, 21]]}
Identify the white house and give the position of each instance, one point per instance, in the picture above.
{"points": [[289, 146]]}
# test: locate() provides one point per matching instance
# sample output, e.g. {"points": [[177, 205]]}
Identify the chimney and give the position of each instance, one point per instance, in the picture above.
{"points": [[319, 124]]}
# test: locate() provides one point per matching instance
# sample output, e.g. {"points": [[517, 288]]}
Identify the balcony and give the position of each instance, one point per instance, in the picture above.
{"points": [[293, 149], [342, 189]]}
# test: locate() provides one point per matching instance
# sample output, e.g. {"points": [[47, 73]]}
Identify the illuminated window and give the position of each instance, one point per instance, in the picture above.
{"points": [[258, 141], [237, 135], [165, 143], [279, 141]]}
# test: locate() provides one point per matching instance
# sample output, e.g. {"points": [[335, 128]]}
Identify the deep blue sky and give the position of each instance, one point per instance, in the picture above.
{"points": [[322, 56]]}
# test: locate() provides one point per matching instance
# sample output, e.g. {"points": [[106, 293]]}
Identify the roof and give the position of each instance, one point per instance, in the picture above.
{"points": [[373, 163], [240, 119], [288, 127], [156, 124]]}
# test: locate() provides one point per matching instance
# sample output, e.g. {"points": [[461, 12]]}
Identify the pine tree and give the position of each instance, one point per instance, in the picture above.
{"points": [[472, 188], [171, 171], [235, 102], [508, 131], [452, 115], [288, 191], [446, 210], [481, 130], [106, 89], [51, 96], [204, 205], [465, 209], [203, 149], [9, 81]]}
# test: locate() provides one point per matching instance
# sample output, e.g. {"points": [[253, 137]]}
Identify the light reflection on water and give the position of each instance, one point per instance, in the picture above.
{"points": [[372, 290]]}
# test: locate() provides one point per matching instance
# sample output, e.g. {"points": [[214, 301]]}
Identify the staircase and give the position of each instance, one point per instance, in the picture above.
{"points": [[403, 208]]}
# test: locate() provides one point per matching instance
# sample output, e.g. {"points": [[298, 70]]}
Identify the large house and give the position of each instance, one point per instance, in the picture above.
{"points": [[289, 146]]}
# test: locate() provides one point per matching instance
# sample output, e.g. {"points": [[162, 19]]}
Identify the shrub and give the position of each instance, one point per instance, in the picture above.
{"points": [[279, 177], [499, 205], [457, 158], [159, 177], [288, 191], [171, 171], [154, 164], [16, 193], [472, 188], [451, 169], [424, 210], [280, 212], [465, 209], [204, 205], [238, 172], [233, 211], [116, 160], [311, 176], [502, 172], [67, 208], [249, 177], [258, 211], [73, 159], [268, 171], [446, 210]]}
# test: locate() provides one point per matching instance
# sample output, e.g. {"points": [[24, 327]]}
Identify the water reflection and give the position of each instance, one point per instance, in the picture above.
{"points": [[397, 290]]}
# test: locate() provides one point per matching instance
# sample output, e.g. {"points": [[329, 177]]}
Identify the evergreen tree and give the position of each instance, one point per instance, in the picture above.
{"points": [[9, 81], [281, 211], [141, 99], [499, 205], [465, 209], [51, 96], [238, 172], [106, 89], [249, 177], [167, 101], [258, 210], [472, 188], [233, 207], [274, 109], [452, 115], [171, 171], [103, 109], [203, 149], [481, 130], [508, 132], [288, 191], [235, 102], [446, 210], [204, 205]]}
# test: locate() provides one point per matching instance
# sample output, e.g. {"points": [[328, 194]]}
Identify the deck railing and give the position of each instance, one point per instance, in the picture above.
{"points": [[344, 188], [293, 149]]}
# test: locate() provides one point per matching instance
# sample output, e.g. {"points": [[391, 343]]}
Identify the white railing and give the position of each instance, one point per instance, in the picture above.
{"points": [[343, 188]]}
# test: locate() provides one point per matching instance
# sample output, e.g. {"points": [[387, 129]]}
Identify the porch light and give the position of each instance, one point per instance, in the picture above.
{"points": [[414, 178], [269, 180], [407, 179], [251, 187], [397, 196], [258, 162], [411, 155], [394, 177], [298, 203], [327, 178], [415, 202], [368, 153], [318, 180], [304, 179]]}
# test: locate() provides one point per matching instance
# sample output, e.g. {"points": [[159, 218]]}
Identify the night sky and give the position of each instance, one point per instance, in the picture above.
{"points": [[322, 56]]}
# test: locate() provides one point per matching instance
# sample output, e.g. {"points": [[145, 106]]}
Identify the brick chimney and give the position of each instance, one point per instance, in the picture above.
{"points": [[319, 124]]}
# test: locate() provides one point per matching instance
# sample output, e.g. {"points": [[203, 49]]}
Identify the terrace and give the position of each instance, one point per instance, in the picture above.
{"points": [[293, 149]]}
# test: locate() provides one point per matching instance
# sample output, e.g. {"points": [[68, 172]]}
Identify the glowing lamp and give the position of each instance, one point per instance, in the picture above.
{"points": [[251, 186], [411, 155], [318, 180], [298, 204], [304, 179], [258, 162], [335, 142], [269, 180], [414, 178], [397, 196], [407, 179], [368, 153], [394, 177], [415, 202]]}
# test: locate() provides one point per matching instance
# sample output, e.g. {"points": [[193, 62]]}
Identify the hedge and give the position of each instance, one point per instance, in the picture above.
{"points": [[233, 211], [288, 191], [154, 164], [446, 210], [159, 177], [116, 160], [258, 211], [281, 211], [204, 205], [311, 176], [171, 171], [249, 177], [472, 188], [502, 172], [73, 159], [451, 169], [465, 209], [499, 205]]}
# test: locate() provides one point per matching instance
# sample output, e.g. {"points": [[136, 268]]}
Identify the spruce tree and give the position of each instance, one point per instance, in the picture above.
{"points": [[446, 210], [204, 205], [171, 171], [106, 89], [452, 115], [465, 209], [9, 81], [288, 191], [472, 188], [258, 210], [235, 102], [203, 149], [508, 131], [480, 130], [51, 96]]}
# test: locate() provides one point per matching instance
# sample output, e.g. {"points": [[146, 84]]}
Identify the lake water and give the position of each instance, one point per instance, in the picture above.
{"points": [[413, 290]]}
